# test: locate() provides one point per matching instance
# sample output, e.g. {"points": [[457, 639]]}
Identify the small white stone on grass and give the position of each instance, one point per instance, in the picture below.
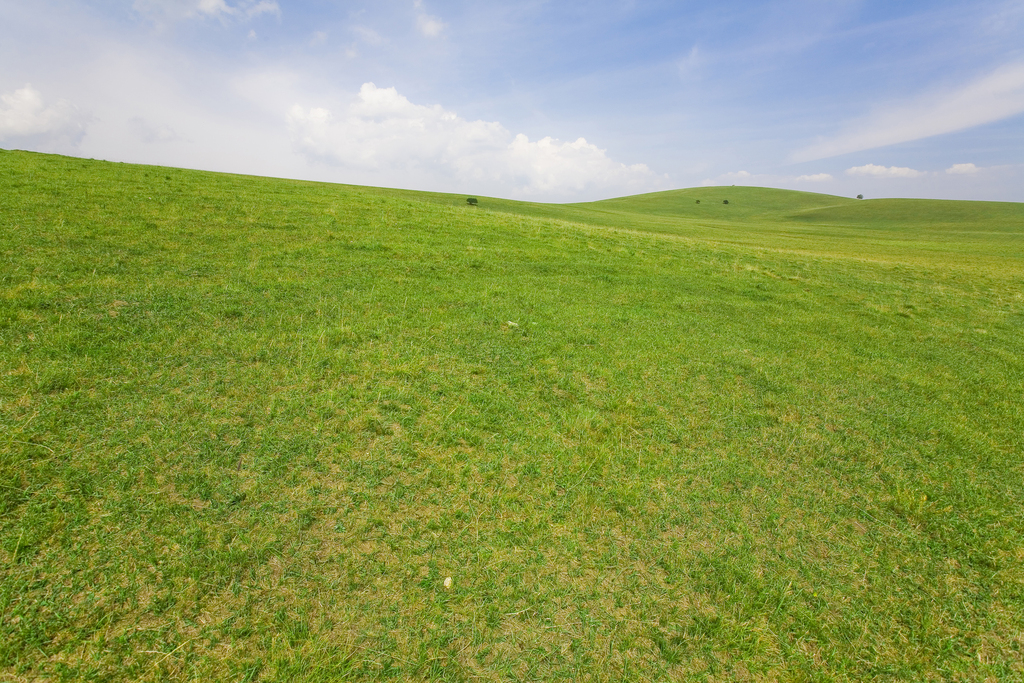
{"points": [[447, 583]]}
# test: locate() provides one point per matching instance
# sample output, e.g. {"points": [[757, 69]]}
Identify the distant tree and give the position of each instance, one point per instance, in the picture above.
{"points": [[725, 201], [698, 201], [860, 196], [471, 201]]}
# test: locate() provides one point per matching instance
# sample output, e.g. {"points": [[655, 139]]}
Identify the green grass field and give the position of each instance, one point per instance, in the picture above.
{"points": [[249, 428]]}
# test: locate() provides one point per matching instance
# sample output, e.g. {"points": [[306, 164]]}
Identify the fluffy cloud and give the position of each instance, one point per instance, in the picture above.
{"points": [[996, 96], [875, 171], [26, 120], [816, 178], [185, 9], [382, 131], [962, 169]]}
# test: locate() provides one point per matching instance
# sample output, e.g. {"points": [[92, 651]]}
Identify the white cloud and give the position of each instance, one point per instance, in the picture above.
{"points": [[25, 119], [691, 63], [150, 133], [875, 171], [213, 7], [262, 7], [367, 35], [186, 9], [382, 131], [997, 96], [731, 178], [962, 169], [763, 179], [428, 25]]}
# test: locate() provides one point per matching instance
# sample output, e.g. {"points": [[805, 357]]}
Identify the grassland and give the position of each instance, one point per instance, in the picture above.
{"points": [[250, 427]]}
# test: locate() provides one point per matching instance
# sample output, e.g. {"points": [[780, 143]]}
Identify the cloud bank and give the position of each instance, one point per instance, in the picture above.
{"points": [[26, 120], [962, 169], [732, 178], [875, 171], [994, 97], [382, 131]]}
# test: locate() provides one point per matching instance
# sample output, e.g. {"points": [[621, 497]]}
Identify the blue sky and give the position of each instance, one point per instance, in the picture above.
{"points": [[533, 100]]}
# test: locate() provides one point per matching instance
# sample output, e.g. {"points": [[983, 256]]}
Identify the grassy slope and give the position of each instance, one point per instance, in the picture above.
{"points": [[927, 233], [249, 426]]}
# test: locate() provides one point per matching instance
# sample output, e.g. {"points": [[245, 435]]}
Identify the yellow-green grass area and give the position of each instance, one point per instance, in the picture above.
{"points": [[249, 428]]}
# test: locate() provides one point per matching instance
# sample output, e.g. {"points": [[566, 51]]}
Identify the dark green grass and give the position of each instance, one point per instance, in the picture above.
{"points": [[250, 426]]}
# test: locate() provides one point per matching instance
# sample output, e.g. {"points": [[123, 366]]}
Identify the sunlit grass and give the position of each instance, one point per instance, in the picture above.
{"points": [[250, 426]]}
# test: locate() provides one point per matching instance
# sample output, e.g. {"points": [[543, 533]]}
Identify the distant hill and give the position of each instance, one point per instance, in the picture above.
{"points": [[744, 202], [920, 213], [678, 211]]}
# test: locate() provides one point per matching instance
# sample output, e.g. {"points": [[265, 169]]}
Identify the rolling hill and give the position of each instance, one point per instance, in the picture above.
{"points": [[261, 429]]}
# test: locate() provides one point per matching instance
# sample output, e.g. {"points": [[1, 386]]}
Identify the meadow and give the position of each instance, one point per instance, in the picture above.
{"points": [[260, 429]]}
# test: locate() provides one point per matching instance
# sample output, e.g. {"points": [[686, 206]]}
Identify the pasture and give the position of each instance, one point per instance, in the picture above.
{"points": [[250, 428]]}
